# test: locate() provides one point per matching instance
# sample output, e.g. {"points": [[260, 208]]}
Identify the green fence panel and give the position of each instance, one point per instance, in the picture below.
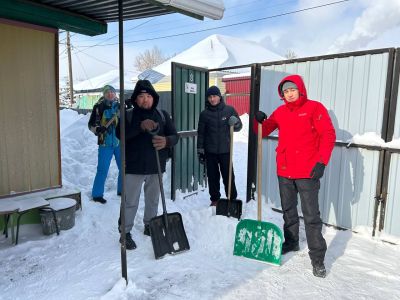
{"points": [[189, 85]]}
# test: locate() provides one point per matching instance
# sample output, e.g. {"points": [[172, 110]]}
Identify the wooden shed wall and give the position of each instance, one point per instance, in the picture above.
{"points": [[29, 118]]}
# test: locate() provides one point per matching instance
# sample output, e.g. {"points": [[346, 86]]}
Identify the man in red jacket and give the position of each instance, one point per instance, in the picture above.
{"points": [[306, 140]]}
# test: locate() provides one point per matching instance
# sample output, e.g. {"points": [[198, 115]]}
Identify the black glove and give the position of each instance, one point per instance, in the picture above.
{"points": [[128, 103], [201, 155], [100, 129], [318, 171], [260, 116], [232, 121]]}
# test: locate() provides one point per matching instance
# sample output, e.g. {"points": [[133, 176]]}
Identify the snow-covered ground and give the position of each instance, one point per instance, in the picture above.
{"points": [[84, 262]]}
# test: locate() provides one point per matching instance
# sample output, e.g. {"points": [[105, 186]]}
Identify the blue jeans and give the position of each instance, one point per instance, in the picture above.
{"points": [[105, 155]]}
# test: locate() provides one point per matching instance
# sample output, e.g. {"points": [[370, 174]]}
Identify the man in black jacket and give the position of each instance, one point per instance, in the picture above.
{"points": [[147, 129], [213, 142]]}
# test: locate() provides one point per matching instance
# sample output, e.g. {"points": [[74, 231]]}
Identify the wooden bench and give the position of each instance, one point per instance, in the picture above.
{"points": [[19, 205], [9, 207], [50, 194], [26, 205]]}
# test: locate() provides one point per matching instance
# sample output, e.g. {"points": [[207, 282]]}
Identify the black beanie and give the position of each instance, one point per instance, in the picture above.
{"points": [[144, 86], [213, 90]]}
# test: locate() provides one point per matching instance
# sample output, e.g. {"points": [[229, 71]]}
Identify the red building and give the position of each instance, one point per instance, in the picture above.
{"points": [[237, 91]]}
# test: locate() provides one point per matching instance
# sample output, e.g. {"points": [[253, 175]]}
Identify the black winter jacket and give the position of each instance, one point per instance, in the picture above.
{"points": [[140, 153], [213, 134]]}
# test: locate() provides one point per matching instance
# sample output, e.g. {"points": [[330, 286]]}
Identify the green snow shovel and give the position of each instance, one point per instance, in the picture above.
{"points": [[256, 239]]}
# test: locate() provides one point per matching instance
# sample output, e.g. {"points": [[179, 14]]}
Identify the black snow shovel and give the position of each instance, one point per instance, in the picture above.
{"points": [[167, 232], [229, 207]]}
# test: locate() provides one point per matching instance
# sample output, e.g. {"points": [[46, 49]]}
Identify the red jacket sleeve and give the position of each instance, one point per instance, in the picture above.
{"points": [[268, 126], [326, 131]]}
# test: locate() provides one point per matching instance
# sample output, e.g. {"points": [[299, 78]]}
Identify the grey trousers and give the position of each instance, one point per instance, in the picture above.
{"points": [[133, 184]]}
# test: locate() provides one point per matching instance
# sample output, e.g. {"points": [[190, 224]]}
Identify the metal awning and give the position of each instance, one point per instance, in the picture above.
{"points": [[107, 10], [90, 17]]}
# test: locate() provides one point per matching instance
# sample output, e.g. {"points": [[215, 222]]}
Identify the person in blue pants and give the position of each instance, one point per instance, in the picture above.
{"points": [[103, 121]]}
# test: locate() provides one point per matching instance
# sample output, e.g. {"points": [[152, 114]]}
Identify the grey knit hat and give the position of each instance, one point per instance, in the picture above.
{"points": [[289, 85], [107, 88]]}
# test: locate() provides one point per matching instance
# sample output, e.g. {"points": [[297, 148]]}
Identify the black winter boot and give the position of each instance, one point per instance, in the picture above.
{"points": [[146, 230], [289, 247], [99, 200], [129, 242], [318, 268]]}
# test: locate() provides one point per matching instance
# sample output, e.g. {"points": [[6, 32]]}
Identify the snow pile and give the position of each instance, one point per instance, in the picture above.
{"points": [[242, 135], [373, 139], [68, 117], [111, 77], [216, 51], [368, 138], [395, 144]]}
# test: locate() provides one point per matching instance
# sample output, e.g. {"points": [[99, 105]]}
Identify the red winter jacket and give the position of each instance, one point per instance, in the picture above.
{"points": [[306, 133]]}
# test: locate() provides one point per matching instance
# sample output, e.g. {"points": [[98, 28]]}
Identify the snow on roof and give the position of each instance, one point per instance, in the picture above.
{"points": [[234, 76], [111, 78], [216, 51]]}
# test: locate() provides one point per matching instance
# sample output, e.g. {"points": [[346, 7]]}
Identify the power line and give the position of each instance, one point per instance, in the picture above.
{"points": [[191, 24], [185, 24], [219, 27], [227, 15], [175, 22], [83, 69], [95, 58], [139, 25]]}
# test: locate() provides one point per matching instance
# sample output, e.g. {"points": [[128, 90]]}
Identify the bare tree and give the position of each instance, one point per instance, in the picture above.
{"points": [[149, 59], [290, 54]]}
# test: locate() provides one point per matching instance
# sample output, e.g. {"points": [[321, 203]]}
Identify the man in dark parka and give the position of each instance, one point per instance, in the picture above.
{"points": [[213, 142], [141, 164]]}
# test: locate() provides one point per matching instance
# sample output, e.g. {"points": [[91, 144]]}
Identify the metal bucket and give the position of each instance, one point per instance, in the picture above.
{"points": [[64, 209]]}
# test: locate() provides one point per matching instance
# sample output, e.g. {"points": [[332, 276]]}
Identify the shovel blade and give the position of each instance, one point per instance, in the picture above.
{"points": [[258, 240], [169, 239], [229, 208]]}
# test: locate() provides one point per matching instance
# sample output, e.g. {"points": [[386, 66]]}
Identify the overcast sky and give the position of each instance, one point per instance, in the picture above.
{"points": [[319, 29]]}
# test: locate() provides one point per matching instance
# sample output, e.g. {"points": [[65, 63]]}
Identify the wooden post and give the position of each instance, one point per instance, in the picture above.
{"points": [[71, 82]]}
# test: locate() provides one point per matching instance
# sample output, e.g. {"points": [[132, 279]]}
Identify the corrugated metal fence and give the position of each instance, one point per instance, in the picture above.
{"points": [[360, 92]]}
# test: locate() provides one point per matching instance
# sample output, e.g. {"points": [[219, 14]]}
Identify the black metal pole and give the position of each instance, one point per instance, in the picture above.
{"points": [[389, 111], [122, 138], [252, 147]]}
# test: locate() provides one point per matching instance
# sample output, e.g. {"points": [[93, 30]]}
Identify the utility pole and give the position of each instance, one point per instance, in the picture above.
{"points": [[71, 83]]}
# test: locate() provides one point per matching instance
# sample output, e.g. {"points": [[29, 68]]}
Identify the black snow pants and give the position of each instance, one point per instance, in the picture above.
{"points": [[217, 163], [308, 190]]}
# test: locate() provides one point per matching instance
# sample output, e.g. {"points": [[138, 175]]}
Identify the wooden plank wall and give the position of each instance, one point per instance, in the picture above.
{"points": [[29, 119]]}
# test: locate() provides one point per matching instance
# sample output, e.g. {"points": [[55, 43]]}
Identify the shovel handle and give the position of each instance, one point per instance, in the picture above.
{"points": [[110, 121], [259, 171], [205, 173], [230, 162], [161, 187]]}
